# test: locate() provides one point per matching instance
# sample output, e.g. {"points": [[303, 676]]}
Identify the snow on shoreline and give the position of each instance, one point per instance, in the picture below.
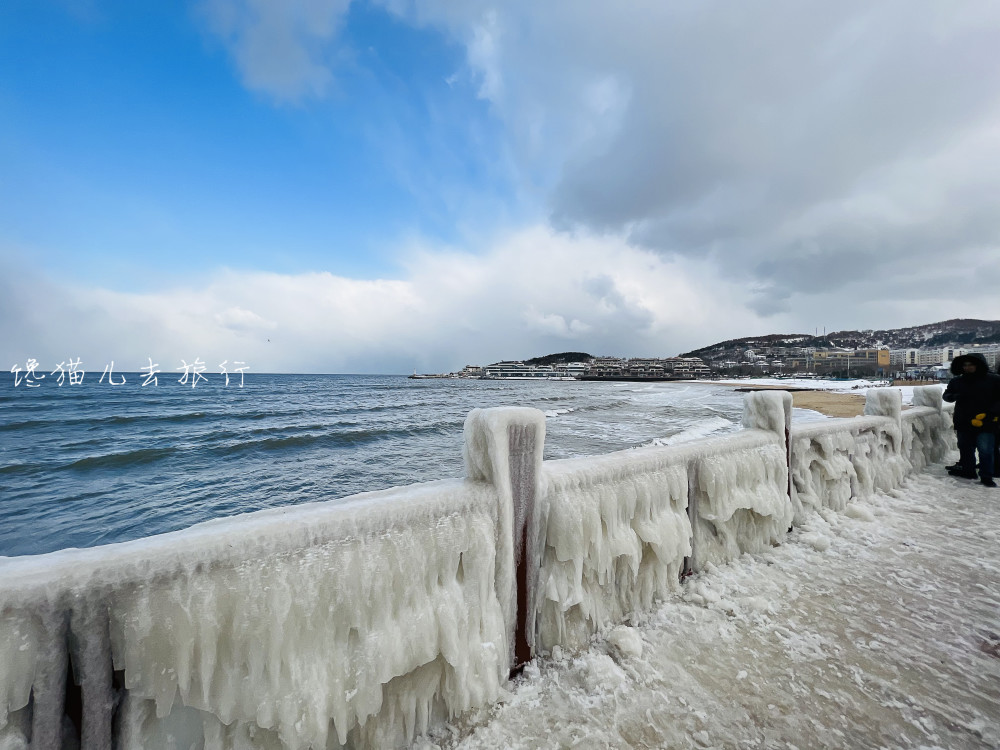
{"points": [[859, 386]]}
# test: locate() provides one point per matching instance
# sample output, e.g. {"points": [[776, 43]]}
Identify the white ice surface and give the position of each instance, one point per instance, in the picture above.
{"points": [[873, 628], [615, 529], [613, 538], [354, 622]]}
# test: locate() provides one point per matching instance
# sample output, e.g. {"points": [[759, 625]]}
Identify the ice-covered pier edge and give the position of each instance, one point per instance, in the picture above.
{"points": [[362, 622]]}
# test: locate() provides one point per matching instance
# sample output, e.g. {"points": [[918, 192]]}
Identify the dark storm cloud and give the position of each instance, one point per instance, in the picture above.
{"points": [[783, 139]]}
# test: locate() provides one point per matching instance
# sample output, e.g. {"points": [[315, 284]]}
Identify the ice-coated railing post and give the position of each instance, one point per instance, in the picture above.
{"points": [[928, 395], [772, 411], [943, 436], [884, 402], [691, 562], [762, 410], [91, 638], [48, 692], [504, 446]]}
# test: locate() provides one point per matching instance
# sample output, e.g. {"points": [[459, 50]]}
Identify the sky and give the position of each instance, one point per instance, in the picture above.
{"points": [[389, 186]]}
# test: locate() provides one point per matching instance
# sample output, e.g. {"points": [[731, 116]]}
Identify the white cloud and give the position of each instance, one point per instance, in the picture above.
{"points": [[529, 294], [238, 319], [781, 140], [283, 49]]}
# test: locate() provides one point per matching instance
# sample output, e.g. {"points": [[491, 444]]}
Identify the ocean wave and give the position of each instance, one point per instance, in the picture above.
{"points": [[121, 459], [95, 422], [606, 405], [330, 438], [694, 432], [557, 412]]}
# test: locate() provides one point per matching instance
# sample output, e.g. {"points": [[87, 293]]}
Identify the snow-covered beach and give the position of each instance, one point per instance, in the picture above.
{"points": [[874, 628], [815, 398]]}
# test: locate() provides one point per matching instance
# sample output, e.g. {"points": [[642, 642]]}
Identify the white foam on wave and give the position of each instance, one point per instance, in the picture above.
{"points": [[556, 412], [694, 432]]}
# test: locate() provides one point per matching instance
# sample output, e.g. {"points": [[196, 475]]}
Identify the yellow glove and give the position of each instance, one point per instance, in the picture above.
{"points": [[978, 420]]}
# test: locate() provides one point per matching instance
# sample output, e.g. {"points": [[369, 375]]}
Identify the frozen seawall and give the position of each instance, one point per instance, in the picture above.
{"points": [[363, 623]]}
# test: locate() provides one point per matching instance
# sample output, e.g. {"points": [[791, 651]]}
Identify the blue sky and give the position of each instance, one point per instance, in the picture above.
{"points": [[128, 127], [348, 186]]}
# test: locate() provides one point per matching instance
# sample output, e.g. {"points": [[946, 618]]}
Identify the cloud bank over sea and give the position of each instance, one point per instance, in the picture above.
{"points": [[378, 187]]}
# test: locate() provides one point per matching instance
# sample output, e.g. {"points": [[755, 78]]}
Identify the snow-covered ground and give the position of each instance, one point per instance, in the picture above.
{"points": [[875, 628]]}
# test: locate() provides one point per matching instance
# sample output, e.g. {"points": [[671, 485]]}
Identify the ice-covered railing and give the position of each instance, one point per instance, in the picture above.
{"points": [[616, 530], [833, 461], [356, 623], [927, 433], [362, 622]]}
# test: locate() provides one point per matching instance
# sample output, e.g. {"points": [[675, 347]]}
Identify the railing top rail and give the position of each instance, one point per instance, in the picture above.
{"points": [[919, 412], [647, 458], [232, 540], [850, 425]]}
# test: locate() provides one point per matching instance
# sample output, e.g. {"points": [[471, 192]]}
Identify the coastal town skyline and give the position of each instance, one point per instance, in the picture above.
{"points": [[386, 186]]}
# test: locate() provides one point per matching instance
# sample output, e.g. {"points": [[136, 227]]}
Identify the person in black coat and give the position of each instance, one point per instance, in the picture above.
{"points": [[975, 391]]}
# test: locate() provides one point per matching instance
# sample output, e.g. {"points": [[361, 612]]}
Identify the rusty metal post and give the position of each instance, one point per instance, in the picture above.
{"points": [[523, 472], [504, 446]]}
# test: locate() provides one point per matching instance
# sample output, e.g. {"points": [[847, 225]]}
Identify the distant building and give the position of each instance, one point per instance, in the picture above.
{"points": [[903, 358], [576, 369], [991, 352], [942, 355], [857, 362], [645, 367], [605, 366]]}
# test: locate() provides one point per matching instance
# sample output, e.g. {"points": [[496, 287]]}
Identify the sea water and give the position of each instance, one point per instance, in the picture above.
{"points": [[94, 463]]}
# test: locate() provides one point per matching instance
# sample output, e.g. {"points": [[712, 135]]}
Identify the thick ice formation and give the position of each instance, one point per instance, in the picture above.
{"points": [[740, 498], [927, 433], [503, 447], [613, 540], [768, 410], [365, 622], [617, 527], [304, 628], [840, 459], [875, 630]]}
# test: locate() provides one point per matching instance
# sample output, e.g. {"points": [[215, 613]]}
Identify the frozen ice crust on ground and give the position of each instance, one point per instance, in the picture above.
{"points": [[878, 628]]}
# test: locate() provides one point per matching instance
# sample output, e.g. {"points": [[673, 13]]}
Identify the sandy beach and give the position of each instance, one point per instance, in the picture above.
{"points": [[830, 403]]}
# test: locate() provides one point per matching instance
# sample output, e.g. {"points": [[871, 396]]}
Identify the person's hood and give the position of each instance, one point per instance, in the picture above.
{"points": [[959, 362]]}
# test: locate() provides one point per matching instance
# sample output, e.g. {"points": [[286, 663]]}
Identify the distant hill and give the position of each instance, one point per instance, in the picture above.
{"points": [[559, 359], [959, 331]]}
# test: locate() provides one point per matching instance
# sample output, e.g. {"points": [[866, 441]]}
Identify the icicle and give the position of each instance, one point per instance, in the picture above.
{"points": [[92, 662], [49, 688]]}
